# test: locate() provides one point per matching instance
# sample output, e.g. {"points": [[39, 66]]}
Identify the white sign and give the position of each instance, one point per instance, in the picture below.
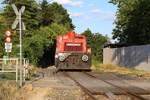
{"points": [[16, 22], [8, 47]]}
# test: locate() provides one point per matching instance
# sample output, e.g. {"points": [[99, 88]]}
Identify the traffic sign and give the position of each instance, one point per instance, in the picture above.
{"points": [[16, 22], [8, 47]]}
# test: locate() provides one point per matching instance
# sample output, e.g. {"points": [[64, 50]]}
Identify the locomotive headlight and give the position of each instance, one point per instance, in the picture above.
{"points": [[61, 58], [85, 58]]}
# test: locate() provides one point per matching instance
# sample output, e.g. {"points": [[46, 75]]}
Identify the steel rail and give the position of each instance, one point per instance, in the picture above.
{"points": [[110, 95], [82, 87], [120, 88]]}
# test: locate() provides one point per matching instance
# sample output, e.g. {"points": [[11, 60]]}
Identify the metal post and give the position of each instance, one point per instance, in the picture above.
{"points": [[24, 70], [7, 57], [20, 29], [17, 70]]}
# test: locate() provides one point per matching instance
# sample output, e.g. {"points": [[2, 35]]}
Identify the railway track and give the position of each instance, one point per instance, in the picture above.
{"points": [[95, 85], [86, 91], [125, 91], [110, 95]]}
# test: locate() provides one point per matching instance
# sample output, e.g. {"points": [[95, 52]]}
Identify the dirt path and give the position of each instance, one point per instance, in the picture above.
{"points": [[52, 88], [38, 94]]}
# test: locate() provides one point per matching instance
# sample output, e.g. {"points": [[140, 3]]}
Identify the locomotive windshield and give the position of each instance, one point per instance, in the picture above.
{"points": [[73, 47]]}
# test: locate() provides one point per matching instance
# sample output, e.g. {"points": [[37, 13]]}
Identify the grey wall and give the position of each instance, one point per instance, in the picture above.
{"points": [[132, 56]]}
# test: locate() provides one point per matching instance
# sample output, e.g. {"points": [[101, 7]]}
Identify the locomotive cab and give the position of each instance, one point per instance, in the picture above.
{"points": [[72, 52]]}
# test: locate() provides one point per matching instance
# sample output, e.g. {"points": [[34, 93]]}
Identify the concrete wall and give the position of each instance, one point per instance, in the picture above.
{"points": [[132, 56]]}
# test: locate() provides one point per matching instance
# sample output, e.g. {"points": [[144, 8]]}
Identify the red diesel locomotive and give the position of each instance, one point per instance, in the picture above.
{"points": [[72, 52]]}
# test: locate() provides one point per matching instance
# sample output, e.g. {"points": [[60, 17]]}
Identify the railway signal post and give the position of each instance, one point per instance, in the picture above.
{"points": [[8, 43], [17, 21]]}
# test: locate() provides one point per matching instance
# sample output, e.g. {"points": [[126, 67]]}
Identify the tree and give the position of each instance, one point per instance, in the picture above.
{"points": [[95, 41], [40, 48], [55, 13], [132, 22], [89, 36], [2, 32], [46, 20]]}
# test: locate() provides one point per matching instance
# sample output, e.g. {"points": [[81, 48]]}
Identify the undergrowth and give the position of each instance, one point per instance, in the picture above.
{"points": [[8, 90], [119, 70], [7, 76]]}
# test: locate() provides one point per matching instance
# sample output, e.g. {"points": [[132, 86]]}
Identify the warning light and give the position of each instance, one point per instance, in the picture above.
{"points": [[8, 39], [8, 33], [7, 36]]}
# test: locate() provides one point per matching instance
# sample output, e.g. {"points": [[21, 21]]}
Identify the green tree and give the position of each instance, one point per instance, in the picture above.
{"points": [[46, 17], [40, 48], [95, 41], [98, 41], [132, 22], [89, 36], [2, 32], [55, 13]]}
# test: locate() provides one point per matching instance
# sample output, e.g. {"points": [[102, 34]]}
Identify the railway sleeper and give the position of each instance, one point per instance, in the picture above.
{"points": [[125, 91]]}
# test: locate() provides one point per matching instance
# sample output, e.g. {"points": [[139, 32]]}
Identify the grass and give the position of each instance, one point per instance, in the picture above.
{"points": [[8, 90], [7, 76], [119, 70], [32, 72]]}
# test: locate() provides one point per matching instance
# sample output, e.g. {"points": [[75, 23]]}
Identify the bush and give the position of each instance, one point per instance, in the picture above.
{"points": [[95, 64]]}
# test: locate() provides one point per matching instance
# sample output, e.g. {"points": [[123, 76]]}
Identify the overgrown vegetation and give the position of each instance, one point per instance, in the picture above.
{"points": [[8, 90], [7, 76], [120, 70]]}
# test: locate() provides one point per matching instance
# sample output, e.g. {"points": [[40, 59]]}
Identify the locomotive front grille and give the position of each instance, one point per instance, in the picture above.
{"points": [[73, 60]]}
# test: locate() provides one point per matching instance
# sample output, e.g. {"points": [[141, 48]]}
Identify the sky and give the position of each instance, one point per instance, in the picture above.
{"points": [[97, 15]]}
